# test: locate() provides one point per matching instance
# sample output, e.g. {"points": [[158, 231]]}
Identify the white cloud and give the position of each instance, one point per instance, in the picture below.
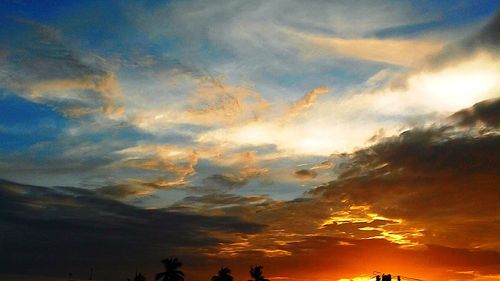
{"points": [[342, 124]]}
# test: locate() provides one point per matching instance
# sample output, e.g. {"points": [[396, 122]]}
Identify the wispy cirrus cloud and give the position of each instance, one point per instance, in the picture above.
{"points": [[39, 67], [392, 51]]}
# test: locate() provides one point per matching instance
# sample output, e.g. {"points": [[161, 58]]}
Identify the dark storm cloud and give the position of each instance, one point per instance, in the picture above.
{"points": [[487, 36], [225, 181], [486, 112], [236, 177], [123, 191], [222, 203], [305, 174], [221, 200], [47, 229], [441, 180], [486, 39]]}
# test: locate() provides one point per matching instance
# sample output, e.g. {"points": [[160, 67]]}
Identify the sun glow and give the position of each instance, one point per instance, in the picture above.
{"points": [[458, 86], [359, 278], [386, 228]]}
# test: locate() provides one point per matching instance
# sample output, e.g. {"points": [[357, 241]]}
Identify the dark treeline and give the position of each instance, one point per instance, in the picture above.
{"points": [[172, 272]]}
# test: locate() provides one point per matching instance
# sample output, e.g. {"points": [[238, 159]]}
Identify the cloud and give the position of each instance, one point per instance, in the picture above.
{"points": [[124, 191], [485, 112], [82, 155], [58, 222], [207, 104], [428, 193], [215, 103], [426, 196], [423, 95], [427, 186], [438, 183], [237, 170], [248, 42], [275, 128], [403, 52], [325, 165], [215, 202], [39, 67], [487, 37], [179, 162], [307, 101], [484, 40], [56, 92], [445, 89], [292, 236], [305, 174], [226, 180]]}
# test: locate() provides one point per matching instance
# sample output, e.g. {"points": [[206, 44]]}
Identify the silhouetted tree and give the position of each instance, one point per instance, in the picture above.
{"points": [[138, 277], [172, 271], [256, 273], [223, 275]]}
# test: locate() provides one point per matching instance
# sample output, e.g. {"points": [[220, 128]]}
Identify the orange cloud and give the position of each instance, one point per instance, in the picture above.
{"points": [[307, 101], [180, 162], [218, 103], [105, 88], [392, 51]]}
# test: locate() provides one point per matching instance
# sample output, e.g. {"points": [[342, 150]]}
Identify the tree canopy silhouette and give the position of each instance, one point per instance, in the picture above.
{"points": [[224, 274], [138, 277], [172, 270], [256, 273]]}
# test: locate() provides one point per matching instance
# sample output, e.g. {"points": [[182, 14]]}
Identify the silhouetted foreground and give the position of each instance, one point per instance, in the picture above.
{"points": [[173, 273], [223, 275], [138, 277], [256, 273], [387, 277], [172, 270]]}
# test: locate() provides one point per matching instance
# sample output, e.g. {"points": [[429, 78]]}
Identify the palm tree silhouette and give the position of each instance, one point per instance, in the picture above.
{"points": [[223, 275], [172, 271], [138, 277], [256, 273]]}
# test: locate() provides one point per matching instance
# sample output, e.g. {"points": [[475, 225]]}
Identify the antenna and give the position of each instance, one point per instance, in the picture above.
{"points": [[91, 273]]}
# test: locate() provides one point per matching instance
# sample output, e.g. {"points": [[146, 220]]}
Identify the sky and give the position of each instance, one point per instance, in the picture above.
{"points": [[324, 140]]}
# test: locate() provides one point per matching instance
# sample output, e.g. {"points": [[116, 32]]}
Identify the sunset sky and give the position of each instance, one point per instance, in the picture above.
{"points": [[324, 140]]}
